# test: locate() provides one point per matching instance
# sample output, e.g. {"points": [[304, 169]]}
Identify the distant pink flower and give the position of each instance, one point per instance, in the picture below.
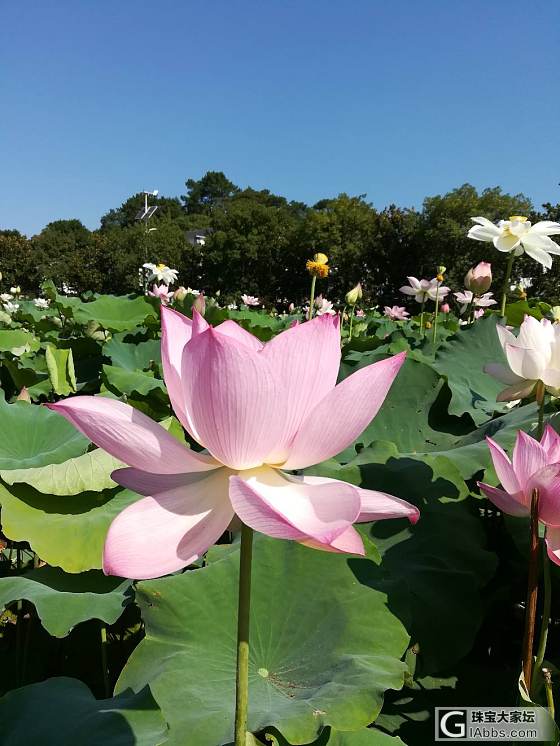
{"points": [[291, 308], [534, 466], [466, 297], [260, 410], [250, 300], [396, 313], [360, 313], [478, 313], [161, 292], [445, 308], [200, 304]]}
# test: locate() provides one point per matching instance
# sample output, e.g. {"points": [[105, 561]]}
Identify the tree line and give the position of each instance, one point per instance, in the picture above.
{"points": [[257, 242]]}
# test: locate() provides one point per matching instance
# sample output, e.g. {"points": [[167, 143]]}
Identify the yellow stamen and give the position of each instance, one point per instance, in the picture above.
{"points": [[518, 218], [317, 269]]}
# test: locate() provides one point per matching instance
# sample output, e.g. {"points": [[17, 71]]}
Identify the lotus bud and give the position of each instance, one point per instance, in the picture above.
{"points": [[1, 276], [479, 278], [200, 304], [180, 294], [354, 295], [441, 269], [555, 313], [291, 308], [15, 290], [24, 395], [445, 308]]}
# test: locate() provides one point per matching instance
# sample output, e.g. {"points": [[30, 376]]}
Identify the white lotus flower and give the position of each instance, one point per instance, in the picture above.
{"points": [[466, 297], [518, 235], [424, 290], [5, 297], [162, 273], [250, 300], [10, 307], [323, 306], [532, 356], [41, 303]]}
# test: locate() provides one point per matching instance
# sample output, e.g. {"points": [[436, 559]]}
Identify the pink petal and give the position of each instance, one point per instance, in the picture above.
{"points": [[375, 506], [553, 544], [307, 359], [287, 507], [503, 468], [231, 329], [547, 482], [170, 530], [176, 331], [509, 504], [528, 457], [343, 413], [199, 323], [520, 390], [550, 441], [130, 436], [231, 396], [349, 542]]}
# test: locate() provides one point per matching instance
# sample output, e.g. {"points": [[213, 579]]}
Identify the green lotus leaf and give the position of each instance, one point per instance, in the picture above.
{"points": [[90, 472], [115, 313], [133, 357], [18, 341], [60, 364], [364, 737], [62, 601], [324, 647], [64, 712], [65, 531], [33, 436], [129, 382]]}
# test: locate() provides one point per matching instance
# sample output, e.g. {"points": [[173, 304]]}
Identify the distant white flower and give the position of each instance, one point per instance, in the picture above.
{"points": [[323, 306], [190, 291], [424, 290], [232, 307], [10, 307], [518, 235], [161, 273], [250, 300], [68, 290], [466, 297], [5, 297], [41, 303]]}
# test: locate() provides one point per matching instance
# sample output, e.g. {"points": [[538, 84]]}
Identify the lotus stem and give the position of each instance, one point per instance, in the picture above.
{"points": [[422, 319], [532, 590], [311, 300], [539, 395], [106, 686], [243, 617], [351, 321], [547, 601], [509, 265], [434, 331], [548, 689]]}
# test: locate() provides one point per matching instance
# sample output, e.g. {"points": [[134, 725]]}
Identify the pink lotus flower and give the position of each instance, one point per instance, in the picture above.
{"points": [[250, 300], [479, 278], [396, 313], [445, 308], [161, 292], [360, 313], [258, 409], [323, 306], [535, 466]]}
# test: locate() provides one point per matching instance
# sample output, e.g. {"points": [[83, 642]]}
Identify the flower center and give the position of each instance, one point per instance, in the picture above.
{"points": [[518, 218]]}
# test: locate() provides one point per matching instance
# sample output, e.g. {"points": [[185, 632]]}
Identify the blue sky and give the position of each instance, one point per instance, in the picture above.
{"points": [[397, 99]]}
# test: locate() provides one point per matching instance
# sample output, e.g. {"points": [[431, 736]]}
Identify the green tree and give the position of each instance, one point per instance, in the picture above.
{"points": [[125, 216], [210, 192]]}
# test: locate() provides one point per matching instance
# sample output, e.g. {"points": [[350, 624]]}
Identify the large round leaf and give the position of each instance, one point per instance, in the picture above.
{"points": [[329, 737], [324, 647], [33, 436], [17, 341], [133, 356], [90, 472], [63, 712], [115, 313], [462, 359], [62, 601], [66, 531]]}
